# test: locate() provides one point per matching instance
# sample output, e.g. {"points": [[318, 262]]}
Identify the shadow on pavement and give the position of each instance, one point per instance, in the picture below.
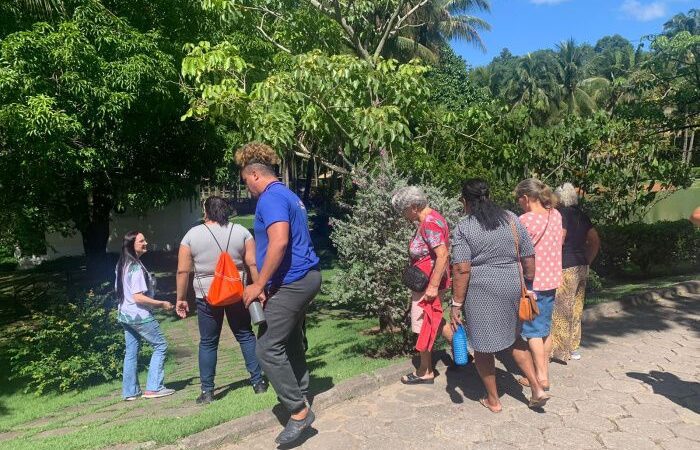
{"points": [[671, 387], [464, 382], [635, 319]]}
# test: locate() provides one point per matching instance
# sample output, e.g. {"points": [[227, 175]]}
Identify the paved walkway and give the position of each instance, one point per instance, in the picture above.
{"points": [[637, 387]]}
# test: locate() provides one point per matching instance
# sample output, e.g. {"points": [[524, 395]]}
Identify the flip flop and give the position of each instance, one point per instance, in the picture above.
{"points": [[412, 378], [485, 404], [524, 382], [538, 402]]}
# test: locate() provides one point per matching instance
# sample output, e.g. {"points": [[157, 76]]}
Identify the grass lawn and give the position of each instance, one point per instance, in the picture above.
{"points": [[96, 417], [619, 289]]}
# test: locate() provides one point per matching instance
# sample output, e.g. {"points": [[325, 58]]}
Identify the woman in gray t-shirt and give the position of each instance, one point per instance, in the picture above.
{"points": [[199, 252]]}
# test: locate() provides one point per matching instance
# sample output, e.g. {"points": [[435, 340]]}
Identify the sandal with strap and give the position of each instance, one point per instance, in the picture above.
{"points": [[538, 402], [485, 404], [412, 378], [524, 382]]}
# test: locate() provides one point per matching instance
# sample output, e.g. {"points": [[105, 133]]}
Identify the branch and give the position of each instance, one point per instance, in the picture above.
{"points": [[351, 36], [387, 29], [325, 110], [410, 12], [306, 154], [266, 36], [467, 136]]}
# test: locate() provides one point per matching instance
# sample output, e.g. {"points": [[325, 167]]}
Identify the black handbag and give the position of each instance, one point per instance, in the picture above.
{"points": [[414, 279]]}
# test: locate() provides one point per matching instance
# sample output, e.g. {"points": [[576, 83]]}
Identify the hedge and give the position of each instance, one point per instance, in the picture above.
{"points": [[643, 247]]}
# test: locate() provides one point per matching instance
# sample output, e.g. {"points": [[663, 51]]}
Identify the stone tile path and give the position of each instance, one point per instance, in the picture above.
{"points": [[637, 387]]}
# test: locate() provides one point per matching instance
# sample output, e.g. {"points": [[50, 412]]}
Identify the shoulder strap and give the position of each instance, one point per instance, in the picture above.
{"points": [[212, 235], [517, 254], [230, 231], [546, 225]]}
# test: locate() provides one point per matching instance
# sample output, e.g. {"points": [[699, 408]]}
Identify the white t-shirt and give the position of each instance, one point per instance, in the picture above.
{"points": [[205, 251], [134, 282]]}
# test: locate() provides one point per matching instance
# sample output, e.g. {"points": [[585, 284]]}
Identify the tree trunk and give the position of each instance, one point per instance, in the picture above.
{"points": [[689, 156], [386, 323], [685, 145], [307, 183], [95, 233]]}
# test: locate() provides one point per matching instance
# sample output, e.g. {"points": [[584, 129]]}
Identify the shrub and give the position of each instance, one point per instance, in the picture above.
{"points": [[594, 284], [644, 246], [7, 258], [372, 244], [69, 345]]}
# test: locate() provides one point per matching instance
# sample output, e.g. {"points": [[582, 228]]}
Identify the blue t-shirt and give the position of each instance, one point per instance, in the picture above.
{"points": [[278, 204]]}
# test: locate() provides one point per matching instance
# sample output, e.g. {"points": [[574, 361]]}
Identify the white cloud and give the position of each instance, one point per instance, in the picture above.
{"points": [[547, 2], [643, 12]]}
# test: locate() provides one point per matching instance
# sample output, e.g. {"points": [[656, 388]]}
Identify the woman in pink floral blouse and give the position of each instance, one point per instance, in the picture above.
{"points": [[429, 251], [544, 225]]}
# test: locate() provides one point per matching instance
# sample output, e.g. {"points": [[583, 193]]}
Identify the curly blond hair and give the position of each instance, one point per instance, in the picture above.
{"points": [[256, 153]]}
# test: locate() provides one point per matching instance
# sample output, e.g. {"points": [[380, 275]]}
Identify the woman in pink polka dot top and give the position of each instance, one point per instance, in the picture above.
{"points": [[544, 224]]}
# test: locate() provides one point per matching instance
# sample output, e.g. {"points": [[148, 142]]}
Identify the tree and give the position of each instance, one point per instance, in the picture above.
{"points": [[614, 55], [534, 86], [370, 28], [435, 25], [332, 110], [683, 22], [450, 84], [671, 87], [571, 77], [89, 122], [370, 276]]}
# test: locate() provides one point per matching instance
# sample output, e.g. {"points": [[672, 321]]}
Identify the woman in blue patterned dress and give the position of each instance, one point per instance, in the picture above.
{"points": [[486, 287]]}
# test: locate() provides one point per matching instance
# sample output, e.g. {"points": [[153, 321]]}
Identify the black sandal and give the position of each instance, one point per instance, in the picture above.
{"points": [[412, 378]]}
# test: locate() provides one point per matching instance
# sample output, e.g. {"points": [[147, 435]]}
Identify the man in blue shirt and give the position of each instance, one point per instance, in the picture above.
{"points": [[288, 281]]}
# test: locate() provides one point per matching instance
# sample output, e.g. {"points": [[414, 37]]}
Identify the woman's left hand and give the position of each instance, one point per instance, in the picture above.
{"points": [[430, 293]]}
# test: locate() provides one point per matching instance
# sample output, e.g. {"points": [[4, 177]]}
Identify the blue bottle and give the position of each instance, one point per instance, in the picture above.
{"points": [[459, 346]]}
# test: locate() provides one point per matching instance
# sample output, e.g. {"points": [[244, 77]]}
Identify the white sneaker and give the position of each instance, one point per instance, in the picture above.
{"points": [[575, 355]]}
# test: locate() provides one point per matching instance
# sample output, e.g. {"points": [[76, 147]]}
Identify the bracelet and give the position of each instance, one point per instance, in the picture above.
{"points": [[457, 305]]}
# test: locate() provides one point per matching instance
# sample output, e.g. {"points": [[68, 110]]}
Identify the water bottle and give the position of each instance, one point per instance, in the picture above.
{"points": [[459, 346], [256, 312]]}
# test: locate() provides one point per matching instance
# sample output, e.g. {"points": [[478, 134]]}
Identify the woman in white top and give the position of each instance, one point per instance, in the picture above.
{"points": [[135, 293]]}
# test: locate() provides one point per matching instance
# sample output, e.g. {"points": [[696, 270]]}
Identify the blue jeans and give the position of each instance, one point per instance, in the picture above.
{"points": [[541, 325], [133, 335], [211, 319]]}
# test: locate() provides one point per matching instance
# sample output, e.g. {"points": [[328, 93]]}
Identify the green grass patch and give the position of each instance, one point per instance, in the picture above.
{"points": [[96, 417], [616, 290]]}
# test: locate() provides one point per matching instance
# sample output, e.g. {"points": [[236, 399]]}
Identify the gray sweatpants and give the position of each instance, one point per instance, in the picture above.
{"points": [[280, 346]]}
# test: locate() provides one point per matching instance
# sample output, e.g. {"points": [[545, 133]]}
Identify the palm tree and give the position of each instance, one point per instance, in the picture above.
{"points": [[436, 24], [620, 87], [534, 86], [574, 86], [41, 8], [682, 22]]}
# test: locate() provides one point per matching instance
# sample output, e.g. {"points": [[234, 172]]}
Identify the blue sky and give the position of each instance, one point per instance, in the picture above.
{"points": [[527, 25]]}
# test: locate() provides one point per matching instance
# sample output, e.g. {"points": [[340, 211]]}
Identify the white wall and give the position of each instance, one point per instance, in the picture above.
{"points": [[163, 229]]}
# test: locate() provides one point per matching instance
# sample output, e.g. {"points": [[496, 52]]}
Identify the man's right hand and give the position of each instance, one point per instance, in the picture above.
{"points": [[182, 308]]}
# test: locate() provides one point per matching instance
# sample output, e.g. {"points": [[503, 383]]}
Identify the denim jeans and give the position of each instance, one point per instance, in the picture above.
{"points": [[211, 319], [134, 334]]}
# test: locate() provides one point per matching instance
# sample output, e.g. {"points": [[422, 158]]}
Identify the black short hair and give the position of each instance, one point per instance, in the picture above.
{"points": [[217, 209]]}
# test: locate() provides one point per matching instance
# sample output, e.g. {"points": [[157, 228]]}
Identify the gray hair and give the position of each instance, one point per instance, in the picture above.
{"points": [[567, 194], [407, 197]]}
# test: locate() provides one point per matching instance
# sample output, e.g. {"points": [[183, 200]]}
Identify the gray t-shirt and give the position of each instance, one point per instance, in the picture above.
{"points": [[205, 251]]}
